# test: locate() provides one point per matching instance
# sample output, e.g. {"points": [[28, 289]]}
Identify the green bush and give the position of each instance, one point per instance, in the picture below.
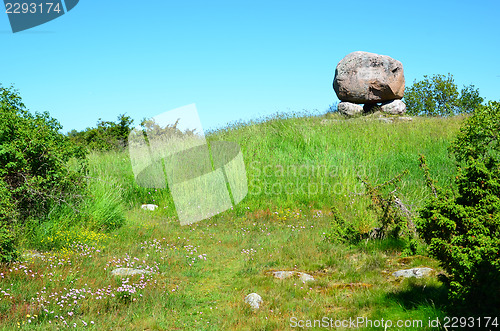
{"points": [[105, 136], [34, 175], [7, 245], [342, 231], [438, 96], [394, 217], [462, 227], [7, 208], [7, 240]]}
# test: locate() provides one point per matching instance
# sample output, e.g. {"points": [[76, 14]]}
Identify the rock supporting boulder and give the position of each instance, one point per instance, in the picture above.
{"points": [[369, 79], [405, 119], [349, 108], [394, 107]]}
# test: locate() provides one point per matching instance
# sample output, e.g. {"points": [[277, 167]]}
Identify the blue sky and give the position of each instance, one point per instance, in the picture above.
{"points": [[236, 59]]}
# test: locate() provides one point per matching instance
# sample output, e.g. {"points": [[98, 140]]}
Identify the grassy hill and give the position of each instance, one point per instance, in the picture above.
{"points": [[298, 168]]}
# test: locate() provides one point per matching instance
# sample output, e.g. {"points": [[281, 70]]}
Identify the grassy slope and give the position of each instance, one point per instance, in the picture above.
{"points": [[271, 229]]}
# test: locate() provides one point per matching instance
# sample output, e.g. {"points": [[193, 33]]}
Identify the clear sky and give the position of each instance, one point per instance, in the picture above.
{"points": [[236, 59]]}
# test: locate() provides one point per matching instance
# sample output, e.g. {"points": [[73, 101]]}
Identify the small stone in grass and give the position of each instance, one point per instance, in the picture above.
{"points": [[415, 272], [129, 272], [287, 274], [254, 300], [149, 206]]}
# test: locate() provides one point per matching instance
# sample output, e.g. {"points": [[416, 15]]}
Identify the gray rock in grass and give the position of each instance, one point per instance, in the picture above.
{"points": [[288, 274], [349, 108], [129, 272], [283, 274], [149, 206], [254, 300], [415, 272], [305, 277], [394, 107]]}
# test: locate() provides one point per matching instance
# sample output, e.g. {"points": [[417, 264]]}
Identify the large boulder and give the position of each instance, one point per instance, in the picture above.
{"points": [[363, 77]]}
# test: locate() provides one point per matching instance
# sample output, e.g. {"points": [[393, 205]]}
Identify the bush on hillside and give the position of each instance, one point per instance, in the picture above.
{"points": [[342, 231], [438, 96], [106, 136], [462, 228], [394, 217], [7, 213], [34, 176]]}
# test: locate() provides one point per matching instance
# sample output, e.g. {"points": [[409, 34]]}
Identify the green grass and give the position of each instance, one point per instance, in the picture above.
{"points": [[202, 272]]}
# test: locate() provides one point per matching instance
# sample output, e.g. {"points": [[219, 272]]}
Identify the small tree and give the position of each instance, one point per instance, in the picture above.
{"points": [[462, 228], [438, 96], [432, 96], [469, 99]]}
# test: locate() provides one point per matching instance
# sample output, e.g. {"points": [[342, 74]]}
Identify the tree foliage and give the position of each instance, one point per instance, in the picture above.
{"points": [[106, 136], [438, 96], [34, 171], [469, 99], [462, 228]]}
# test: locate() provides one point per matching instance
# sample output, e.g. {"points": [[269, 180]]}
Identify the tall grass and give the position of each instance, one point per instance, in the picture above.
{"points": [[116, 167], [313, 162], [105, 208]]}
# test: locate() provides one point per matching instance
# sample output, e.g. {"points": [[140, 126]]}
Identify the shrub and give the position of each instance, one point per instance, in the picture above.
{"points": [[394, 217], [106, 136], [7, 245], [35, 178], [7, 240], [33, 159], [462, 227], [342, 231], [438, 96]]}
